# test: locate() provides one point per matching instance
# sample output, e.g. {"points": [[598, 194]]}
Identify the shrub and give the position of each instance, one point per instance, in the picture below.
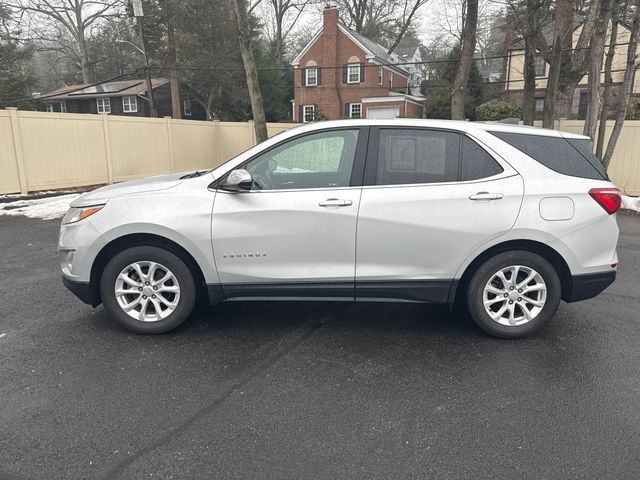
{"points": [[497, 110]]}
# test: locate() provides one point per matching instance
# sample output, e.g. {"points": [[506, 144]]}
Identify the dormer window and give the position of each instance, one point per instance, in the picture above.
{"points": [[311, 76]]}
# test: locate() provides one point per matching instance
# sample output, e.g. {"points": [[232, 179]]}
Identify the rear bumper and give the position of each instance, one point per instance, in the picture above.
{"points": [[588, 286], [82, 290]]}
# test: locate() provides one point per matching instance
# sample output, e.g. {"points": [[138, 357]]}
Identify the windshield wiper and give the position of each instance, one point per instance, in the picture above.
{"points": [[197, 173]]}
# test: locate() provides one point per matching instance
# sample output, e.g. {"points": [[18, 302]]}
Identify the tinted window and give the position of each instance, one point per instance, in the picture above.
{"points": [[417, 156], [585, 148], [476, 162], [553, 152], [319, 160]]}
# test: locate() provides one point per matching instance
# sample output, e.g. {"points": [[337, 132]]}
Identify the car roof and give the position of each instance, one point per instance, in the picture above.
{"points": [[459, 125]]}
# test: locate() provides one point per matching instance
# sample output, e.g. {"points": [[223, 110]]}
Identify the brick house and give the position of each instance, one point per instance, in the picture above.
{"points": [[124, 97], [341, 74]]}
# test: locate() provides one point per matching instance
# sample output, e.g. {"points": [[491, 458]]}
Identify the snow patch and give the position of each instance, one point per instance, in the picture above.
{"points": [[43, 208], [631, 203]]}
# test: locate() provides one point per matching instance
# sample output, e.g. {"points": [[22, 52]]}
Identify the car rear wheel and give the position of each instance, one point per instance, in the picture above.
{"points": [[514, 294], [148, 290]]}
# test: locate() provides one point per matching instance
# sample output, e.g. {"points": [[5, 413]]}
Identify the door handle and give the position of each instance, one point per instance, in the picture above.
{"points": [[335, 202], [486, 196]]}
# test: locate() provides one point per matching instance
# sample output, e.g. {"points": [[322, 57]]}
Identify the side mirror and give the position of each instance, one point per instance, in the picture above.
{"points": [[238, 181]]}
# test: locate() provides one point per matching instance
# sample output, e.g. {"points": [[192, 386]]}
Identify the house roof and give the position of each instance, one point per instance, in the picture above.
{"points": [[407, 47], [373, 50], [119, 88]]}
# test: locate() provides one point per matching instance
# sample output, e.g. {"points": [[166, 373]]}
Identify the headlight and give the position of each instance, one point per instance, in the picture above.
{"points": [[77, 214]]}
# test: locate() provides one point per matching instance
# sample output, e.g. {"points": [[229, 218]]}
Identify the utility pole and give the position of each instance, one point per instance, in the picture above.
{"points": [[138, 13]]}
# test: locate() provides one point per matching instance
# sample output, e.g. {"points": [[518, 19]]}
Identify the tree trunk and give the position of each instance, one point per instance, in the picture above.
{"points": [[561, 30], [594, 99], [172, 62], [251, 71], [627, 85], [84, 57], [466, 59], [608, 79], [529, 94]]}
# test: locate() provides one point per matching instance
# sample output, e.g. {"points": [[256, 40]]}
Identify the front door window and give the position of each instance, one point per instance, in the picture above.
{"points": [[319, 160]]}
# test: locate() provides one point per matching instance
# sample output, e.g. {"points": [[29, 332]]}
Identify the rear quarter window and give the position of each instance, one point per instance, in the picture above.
{"points": [[570, 157]]}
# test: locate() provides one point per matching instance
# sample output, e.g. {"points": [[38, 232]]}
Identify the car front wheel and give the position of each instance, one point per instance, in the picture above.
{"points": [[514, 294], [147, 290]]}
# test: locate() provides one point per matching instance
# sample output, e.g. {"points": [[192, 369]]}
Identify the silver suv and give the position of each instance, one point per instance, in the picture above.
{"points": [[506, 220]]}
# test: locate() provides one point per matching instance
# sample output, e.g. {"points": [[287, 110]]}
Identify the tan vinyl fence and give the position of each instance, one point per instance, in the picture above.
{"points": [[40, 151]]}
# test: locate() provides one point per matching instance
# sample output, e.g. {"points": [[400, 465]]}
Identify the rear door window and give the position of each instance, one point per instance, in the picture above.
{"points": [[556, 153], [410, 156], [476, 162]]}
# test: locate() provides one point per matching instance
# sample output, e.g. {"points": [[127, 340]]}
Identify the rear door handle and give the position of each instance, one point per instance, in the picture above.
{"points": [[486, 196], [335, 202]]}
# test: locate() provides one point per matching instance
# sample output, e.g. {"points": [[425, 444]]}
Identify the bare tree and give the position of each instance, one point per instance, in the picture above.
{"points": [[528, 19], [172, 60], [598, 41], [286, 14], [74, 16], [251, 71], [608, 78], [409, 10], [466, 58], [627, 84], [562, 30], [384, 21]]}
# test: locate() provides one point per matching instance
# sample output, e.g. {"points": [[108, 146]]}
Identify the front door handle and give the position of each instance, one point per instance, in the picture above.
{"points": [[486, 196], [335, 202]]}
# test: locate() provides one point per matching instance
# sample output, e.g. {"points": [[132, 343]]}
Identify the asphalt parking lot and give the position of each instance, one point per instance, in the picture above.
{"points": [[311, 390]]}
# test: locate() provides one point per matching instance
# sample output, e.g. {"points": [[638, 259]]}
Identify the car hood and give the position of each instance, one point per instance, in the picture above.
{"points": [[151, 184]]}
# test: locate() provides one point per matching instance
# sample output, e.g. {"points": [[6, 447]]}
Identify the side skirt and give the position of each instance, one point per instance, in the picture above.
{"points": [[420, 291]]}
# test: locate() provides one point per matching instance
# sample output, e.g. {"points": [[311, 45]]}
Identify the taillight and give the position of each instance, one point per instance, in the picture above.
{"points": [[608, 198]]}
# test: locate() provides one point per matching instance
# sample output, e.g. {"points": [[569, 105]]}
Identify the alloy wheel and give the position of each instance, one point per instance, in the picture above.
{"points": [[514, 295], [147, 291]]}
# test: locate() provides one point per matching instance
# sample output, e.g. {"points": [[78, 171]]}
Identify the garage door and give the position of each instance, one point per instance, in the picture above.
{"points": [[383, 112]]}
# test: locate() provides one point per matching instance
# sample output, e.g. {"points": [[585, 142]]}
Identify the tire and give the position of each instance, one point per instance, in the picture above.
{"points": [[533, 303], [165, 307]]}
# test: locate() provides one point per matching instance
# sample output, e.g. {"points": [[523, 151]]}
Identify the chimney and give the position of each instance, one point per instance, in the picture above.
{"points": [[330, 23]]}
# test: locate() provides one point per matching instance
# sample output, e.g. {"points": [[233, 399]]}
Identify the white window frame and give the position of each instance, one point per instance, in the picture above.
{"points": [[357, 106], [130, 105], [186, 107], [103, 104], [62, 104], [390, 79], [535, 105], [312, 112], [380, 75], [308, 77], [353, 68], [539, 60]]}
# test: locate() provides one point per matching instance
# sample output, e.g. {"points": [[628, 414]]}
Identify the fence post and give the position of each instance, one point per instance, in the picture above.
{"points": [[252, 132], [17, 148], [216, 135], [172, 166], [106, 134]]}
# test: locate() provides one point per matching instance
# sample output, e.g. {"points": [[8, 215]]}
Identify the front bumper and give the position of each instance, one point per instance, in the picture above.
{"points": [[82, 290], [588, 286]]}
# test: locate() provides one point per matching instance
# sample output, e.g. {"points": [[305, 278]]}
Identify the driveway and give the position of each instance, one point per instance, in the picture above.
{"points": [[311, 390]]}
